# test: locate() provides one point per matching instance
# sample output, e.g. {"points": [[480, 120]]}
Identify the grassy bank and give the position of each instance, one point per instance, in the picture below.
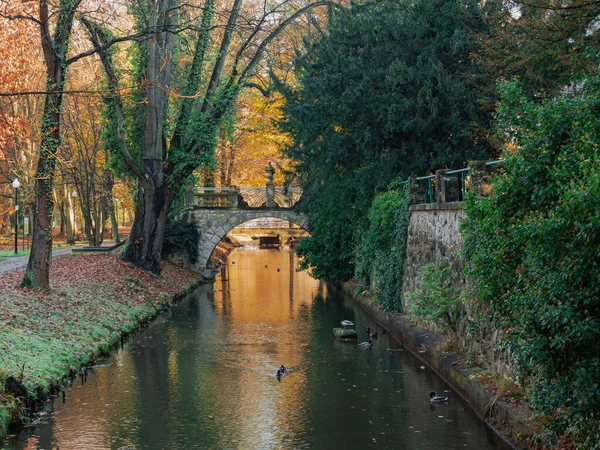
{"points": [[94, 301]]}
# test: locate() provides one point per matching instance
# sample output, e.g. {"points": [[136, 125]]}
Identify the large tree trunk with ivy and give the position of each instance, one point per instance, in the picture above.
{"points": [[147, 233], [164, 168], [37, 274], [145, 239]]}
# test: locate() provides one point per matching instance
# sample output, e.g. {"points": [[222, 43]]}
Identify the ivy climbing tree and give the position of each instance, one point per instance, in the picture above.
{"points": [[55, 48], [55, 21], [227, 47]]}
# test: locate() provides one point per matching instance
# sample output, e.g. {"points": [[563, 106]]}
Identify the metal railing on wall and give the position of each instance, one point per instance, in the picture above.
{"points": [[442, 186]]}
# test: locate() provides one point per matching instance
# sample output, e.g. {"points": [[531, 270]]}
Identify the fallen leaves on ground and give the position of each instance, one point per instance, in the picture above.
{"points": [[93, 300]]}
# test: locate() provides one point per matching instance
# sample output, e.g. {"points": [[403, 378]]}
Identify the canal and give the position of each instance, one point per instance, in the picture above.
{"points": [[202, 376]]}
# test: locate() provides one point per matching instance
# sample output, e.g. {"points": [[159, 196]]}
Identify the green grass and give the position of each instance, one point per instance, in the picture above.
{"points": [[10, 252], [6, 253]]}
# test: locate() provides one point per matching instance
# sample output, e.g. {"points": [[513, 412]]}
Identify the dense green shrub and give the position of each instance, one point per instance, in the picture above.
{"points": [[436, 300], [181, 234], [532, 252], [382, 247]]}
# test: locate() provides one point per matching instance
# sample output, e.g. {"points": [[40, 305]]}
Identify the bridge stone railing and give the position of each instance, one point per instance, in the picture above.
{"points": [[236, 197]]}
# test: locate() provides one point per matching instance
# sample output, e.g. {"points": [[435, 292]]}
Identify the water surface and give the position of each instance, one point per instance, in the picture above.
{"points": [[202, 376]]}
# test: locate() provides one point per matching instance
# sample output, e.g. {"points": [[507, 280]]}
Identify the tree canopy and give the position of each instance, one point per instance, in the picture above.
{"points": [[385, 91]]}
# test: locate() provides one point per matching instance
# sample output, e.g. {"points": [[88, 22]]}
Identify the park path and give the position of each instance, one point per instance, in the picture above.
{"points": [[17, 262]]}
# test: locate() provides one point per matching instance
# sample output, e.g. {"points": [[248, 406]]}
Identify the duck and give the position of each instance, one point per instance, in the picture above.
{"points": [[437, 398], [372, 332], [347, 323], [282, 369], [366, 344]]}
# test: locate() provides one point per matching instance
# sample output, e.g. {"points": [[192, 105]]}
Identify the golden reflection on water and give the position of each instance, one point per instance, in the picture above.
{"points": [[259, 307], [203, 376]]}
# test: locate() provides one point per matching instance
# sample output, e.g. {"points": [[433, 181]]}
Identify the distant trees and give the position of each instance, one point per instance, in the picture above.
{"points": [[542, 43], [20, 70], [55, 22], [388, 90]]}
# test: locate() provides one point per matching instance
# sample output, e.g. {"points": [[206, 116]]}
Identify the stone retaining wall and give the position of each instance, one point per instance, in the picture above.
{"points": [[433, 235]]}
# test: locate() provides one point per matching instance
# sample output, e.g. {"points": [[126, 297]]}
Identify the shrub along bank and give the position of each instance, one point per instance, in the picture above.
{"points": [[532, 252], [95, 300], [381, 248]]}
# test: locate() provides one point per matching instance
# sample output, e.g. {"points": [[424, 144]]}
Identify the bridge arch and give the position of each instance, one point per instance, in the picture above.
{"points": [[214, 224]]}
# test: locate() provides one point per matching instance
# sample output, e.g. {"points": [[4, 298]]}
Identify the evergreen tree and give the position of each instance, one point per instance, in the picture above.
{"points": [[387, 91]]}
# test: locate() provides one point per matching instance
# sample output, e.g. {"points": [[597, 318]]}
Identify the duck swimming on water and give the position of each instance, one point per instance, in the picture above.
{"points": [[437, 398], [365, 345], [282, 369], [373, 333]]}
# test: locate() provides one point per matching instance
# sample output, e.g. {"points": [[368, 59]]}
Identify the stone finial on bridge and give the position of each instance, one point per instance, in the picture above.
{"points": [[233, 196], [270, 171]]}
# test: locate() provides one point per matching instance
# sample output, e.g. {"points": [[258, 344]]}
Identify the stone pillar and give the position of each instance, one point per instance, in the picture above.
{"points": [[418, 191], [447, 187], [270, 171], [232, 197], [480, 177]]}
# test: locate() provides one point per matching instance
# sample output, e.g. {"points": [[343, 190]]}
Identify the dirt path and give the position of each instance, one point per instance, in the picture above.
{"points": [[17, 262]]}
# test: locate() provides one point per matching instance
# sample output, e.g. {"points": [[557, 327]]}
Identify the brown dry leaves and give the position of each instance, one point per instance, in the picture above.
{"points": [[94, 298]]}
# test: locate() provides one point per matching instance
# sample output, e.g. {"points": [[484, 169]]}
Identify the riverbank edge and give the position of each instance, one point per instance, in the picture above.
{"points": [[509, 424], [8, 418]]}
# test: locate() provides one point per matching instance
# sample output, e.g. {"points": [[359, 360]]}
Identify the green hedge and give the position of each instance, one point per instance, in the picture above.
{"points": [[532, 251], [381, 248]]}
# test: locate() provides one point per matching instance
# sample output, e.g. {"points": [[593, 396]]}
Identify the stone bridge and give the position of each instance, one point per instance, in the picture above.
{"points": [[218, 210], [214, 224]]}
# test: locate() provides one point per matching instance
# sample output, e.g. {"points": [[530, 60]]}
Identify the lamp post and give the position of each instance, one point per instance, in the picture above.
{"points": [[16, 185], [74, 195]]}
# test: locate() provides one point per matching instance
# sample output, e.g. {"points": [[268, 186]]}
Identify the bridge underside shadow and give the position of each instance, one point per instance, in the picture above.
{"points": [[214, 224]]}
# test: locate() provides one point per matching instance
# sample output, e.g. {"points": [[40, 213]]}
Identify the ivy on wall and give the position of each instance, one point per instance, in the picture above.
{"points": [[381, 248], [181, 235]]}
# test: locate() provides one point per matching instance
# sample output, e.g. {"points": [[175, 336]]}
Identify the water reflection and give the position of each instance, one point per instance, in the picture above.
{"points": [[203, 376]]}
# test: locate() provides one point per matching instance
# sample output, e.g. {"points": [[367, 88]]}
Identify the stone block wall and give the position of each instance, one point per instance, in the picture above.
{"points": [[433, 235]]}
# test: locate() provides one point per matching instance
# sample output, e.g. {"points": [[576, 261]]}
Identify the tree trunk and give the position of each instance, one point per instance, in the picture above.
{"points": [[147, 233], [37, 274], [146, 238], [114, 224], [63, 218], [69, 217], [108, 200]]}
